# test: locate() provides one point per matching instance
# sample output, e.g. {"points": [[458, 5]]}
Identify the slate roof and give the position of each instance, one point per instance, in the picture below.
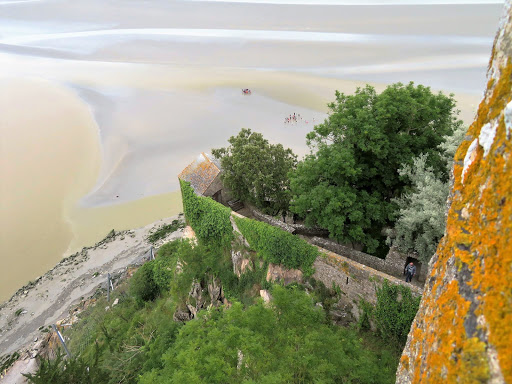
{"points": [[201, 172]]}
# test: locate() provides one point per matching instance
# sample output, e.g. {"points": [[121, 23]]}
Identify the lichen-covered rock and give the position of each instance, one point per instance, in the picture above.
{"points": [[463, 330]]}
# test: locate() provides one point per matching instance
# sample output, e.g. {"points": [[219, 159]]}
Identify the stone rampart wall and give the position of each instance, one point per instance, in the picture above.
{"points": [[355, 280]]}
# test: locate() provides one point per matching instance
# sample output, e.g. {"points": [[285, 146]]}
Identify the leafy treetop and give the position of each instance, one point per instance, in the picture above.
{"points": [[257, 171], [347, 185]]}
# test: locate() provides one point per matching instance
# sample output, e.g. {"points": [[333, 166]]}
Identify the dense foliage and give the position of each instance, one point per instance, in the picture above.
{"points": [[256, 171], [143, 287], [393, 314], [288, 342], [348, 184], [209, 219], [422, 216], [61, 371], [277, 246]]}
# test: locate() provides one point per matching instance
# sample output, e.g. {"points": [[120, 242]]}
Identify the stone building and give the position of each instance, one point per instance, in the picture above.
{"points": [[203, 174]]}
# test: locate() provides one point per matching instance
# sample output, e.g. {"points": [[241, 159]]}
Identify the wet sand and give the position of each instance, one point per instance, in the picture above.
{"points": [[104, 103]]}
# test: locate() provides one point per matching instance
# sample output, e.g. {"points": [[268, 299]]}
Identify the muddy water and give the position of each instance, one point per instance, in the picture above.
{"points": [[50, 156]]}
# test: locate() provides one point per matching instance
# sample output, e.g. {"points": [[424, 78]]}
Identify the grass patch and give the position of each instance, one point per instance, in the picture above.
{"points": [[163, 231]]}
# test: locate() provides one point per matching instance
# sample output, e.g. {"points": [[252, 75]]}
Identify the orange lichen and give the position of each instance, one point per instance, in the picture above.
{"points": [[466, 311]]}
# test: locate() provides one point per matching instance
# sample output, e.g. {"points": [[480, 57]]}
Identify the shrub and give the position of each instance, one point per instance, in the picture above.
{"points": [[142, 285], [164, 265], [74, 370], [393, 314], [277, 246]]}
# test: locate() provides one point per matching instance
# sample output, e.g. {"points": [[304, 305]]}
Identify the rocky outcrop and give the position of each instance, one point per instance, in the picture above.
{"points": [[463, 329], [265, 295], [241, 262], [278, 273], [199, 298]]}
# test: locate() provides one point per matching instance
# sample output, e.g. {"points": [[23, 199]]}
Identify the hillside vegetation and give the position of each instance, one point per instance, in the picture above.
{"points": [[288, 341], [233, 336]]}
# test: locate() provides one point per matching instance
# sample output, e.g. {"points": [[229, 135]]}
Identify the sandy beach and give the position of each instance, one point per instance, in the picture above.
{"points": [[49, 298], [103, 103]]}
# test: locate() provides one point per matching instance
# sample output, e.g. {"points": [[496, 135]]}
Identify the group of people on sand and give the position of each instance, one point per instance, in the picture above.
{"points": [[295, 118], [292, 118]]}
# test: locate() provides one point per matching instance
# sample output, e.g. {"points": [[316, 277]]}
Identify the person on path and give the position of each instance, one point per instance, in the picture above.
{"points": [[410, 271]]}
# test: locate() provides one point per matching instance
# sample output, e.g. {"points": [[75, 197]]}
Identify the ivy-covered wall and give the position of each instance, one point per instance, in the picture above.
{"points": [[277, 246], [211, 223], [463, 330], [209, 219]]}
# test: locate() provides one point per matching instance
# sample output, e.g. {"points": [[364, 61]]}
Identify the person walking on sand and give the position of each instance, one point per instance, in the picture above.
{"points": [[410, 271]]}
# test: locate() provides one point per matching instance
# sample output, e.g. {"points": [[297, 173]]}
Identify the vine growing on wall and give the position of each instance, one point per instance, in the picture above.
{"points": [[209, 219], [277, 246]]}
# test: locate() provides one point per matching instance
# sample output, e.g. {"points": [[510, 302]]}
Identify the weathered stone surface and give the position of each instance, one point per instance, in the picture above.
{"points": [[287, 276], [182, 315], [241, 262], [215, 291], [393, 264], [463, 330], [355, 281], [270, 220], [265, 295], [342, 312]]}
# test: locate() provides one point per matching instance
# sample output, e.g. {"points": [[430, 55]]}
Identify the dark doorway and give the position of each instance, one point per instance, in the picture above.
{"points": [[217, 196]]}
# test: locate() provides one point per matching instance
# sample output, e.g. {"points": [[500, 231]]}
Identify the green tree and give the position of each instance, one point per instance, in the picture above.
{"points": [[348, 184], [142, 285], [422, 216], [61, 371], [257, 171], [421, 220], [286, 342]]}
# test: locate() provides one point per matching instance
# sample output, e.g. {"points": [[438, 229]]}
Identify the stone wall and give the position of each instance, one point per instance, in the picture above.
{"points": [[352, 254], [270, 220], [463, 330], [296, 229], [393, 264], [355, 280]]}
